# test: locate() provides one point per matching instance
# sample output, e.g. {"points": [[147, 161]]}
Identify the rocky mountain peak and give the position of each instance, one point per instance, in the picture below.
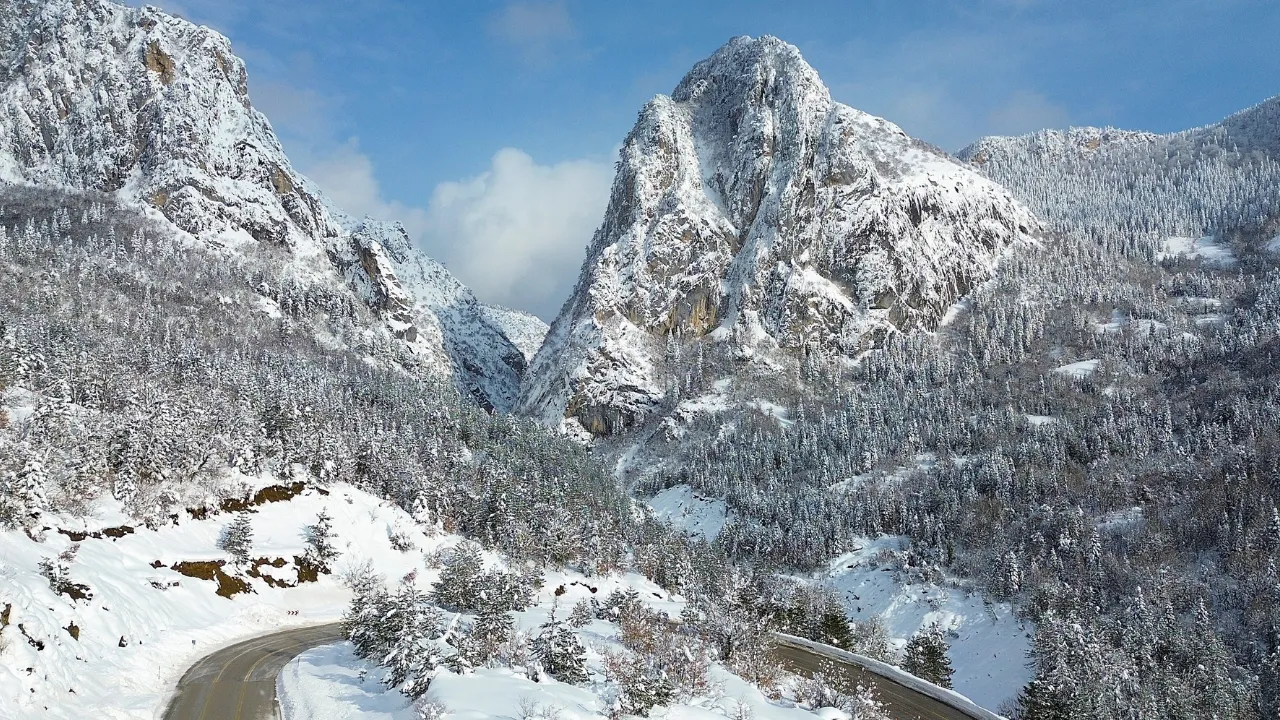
{"points": [[751, 209], [157, 110]]}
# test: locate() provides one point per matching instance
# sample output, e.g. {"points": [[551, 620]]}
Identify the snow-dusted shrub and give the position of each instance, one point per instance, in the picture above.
{"points": [[531, 709], [871, 639], [639, 684], [678, 658], [429, 709], [399, 540], [828, 688], [738, 635]]}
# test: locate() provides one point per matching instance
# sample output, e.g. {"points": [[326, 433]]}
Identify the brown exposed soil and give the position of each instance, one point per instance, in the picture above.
{"points": [[75, 591], [228, 585], [74, 631], [255, 571], [115, 533], [269, 494], [306, 571]]}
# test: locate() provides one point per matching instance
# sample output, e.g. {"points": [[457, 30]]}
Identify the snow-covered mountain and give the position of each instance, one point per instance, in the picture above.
{"points": [[750, 207], [155, 109], [1140, 184]]}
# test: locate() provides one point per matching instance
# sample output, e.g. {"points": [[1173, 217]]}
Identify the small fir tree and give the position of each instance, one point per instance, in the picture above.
{"points": [[583, 613], [926, 656], [237, 538], [320, 552], [460, 579], [560, 653]]}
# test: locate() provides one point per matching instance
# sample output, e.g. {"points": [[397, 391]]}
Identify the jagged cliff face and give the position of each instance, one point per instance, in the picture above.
{"points": [[751, 208], [153, 108]]}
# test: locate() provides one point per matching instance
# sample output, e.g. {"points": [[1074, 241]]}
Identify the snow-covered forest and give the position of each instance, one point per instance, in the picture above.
{"points": [[1092, 434], [762, 344], [149, 367]]}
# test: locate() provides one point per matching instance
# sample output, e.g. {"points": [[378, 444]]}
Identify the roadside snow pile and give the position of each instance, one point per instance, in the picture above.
{"points": [[332, 683], [989, 645], [686, 509], [118, 651]]}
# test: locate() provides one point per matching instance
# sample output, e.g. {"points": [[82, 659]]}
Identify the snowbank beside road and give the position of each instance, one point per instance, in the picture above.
{"points": [[118, 653]]}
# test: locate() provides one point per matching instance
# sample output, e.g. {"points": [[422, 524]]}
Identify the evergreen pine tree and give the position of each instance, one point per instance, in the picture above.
{"points": [[584, 612], [28, 491], [237, 538], [493, 628], [560, 653], [411, 623], [459, 586], [320, 552], [833, 627], [364, 619], [926, 656]]}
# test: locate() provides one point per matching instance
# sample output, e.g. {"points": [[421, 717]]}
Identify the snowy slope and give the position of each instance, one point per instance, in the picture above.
{"points": [[989, 644], [157, 110], [525, 331], [750, 207], [1221, 177], [145, 624]]}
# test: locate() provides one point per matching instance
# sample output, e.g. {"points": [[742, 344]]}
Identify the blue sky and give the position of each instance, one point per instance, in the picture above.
{"points": [[489, 128]]}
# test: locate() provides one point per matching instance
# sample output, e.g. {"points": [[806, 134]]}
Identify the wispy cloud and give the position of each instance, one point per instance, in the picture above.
{"points": [[535, 30]]}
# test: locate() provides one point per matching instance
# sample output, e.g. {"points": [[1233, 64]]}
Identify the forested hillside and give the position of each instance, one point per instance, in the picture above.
{"points": [[146, 366], [1092, 434]]}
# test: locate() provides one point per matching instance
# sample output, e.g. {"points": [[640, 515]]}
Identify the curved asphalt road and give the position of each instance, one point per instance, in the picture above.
{"points": [[901, 702], [239, 682]]}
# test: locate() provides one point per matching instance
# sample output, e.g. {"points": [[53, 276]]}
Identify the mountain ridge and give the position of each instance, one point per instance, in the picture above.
{"points": [[752, 209], [157, 110]]}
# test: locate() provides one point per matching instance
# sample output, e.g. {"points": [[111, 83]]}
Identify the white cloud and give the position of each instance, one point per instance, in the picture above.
{"points": [[515, 234], [347, 176]]}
